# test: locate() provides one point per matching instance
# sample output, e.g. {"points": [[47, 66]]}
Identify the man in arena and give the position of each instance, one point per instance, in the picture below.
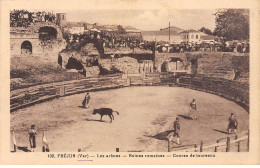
{"points": [[177, 128], [32, 137], [193, 108], [86, 101], [232, 125]]}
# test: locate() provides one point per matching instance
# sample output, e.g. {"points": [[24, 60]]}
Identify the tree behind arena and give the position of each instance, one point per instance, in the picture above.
{"points": [[206, 31], [232, 24]]}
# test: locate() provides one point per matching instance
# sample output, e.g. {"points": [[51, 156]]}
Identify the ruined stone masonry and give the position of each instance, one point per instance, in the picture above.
{"points": [[39, 39]]}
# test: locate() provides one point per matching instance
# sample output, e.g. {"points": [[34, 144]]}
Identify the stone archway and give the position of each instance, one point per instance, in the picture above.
{"points": [[177, 64], [47, 33], [26, 47], [73, 63]]}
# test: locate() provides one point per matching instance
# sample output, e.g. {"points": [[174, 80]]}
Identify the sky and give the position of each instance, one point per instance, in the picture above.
{"points": [[148, 19], [141, 14]]}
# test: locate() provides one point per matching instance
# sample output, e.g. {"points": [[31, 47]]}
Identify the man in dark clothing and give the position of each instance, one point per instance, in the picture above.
{"points": [[86, 100], [32, 137], [177, 130], [193, 108], [232, 125]]}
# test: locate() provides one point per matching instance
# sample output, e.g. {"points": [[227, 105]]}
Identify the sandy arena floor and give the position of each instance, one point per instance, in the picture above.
{"points": [[146, 114]]}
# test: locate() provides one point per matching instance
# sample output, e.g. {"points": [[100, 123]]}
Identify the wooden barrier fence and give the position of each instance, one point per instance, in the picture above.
{"points": [[229, 89], [24, 97], [224, 145]]}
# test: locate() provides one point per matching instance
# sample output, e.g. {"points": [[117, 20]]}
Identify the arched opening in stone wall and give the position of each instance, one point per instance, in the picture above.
{"points": [[164, 67], [26, 47], [47, 33], [60, 60], [73, 63], [92, 61], [177, 64], [194, 66]]}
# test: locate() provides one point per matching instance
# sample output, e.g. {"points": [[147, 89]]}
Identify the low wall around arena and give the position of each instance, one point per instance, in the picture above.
{"points": [[229, 89], [21, 98]]}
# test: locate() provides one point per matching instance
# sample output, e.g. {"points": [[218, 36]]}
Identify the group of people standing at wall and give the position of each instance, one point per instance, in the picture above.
{"points": [[23, 18], [241, 47], [103, 39]]}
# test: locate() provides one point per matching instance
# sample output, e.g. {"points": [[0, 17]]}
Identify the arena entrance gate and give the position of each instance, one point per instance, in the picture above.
{"points": [[178, 63]]}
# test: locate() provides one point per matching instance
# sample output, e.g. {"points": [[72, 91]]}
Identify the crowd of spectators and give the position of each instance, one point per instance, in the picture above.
{"points": [[23, 18], [229, 46], [109, 40], [102, 39]]}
